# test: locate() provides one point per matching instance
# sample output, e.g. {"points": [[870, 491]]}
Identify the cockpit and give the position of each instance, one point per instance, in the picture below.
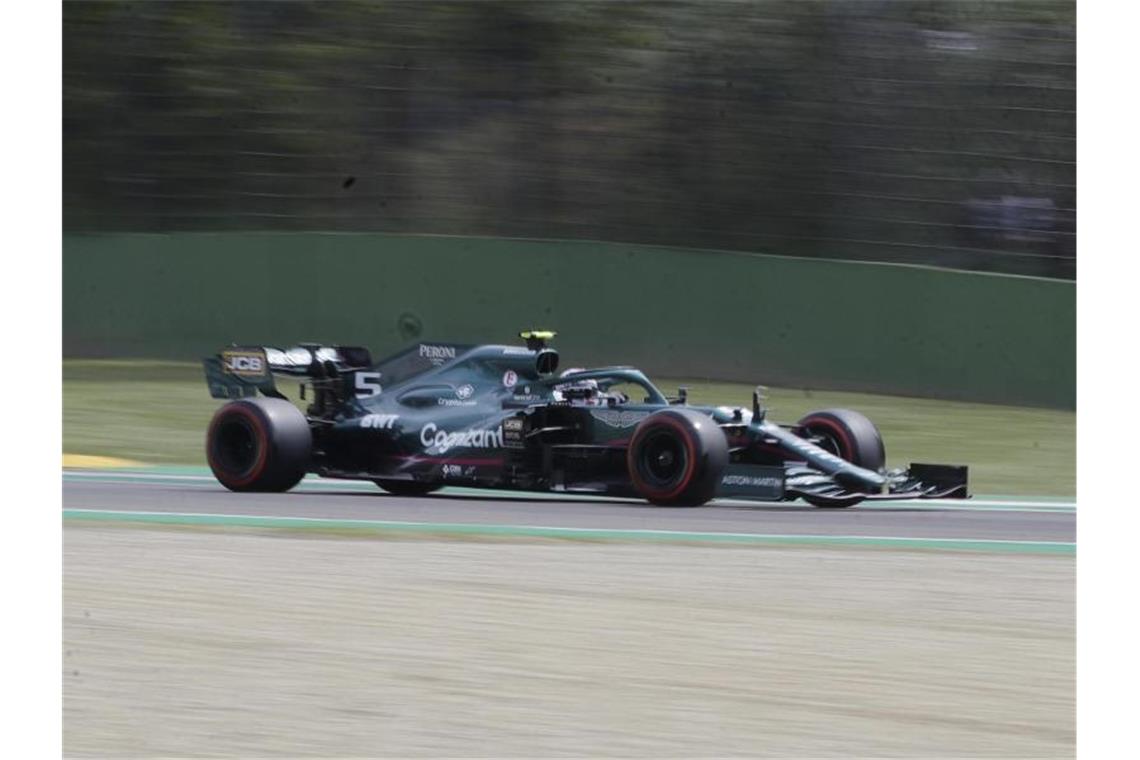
{"points": [[606, 387]]}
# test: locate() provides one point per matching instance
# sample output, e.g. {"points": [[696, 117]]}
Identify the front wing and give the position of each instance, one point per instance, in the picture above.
{"points": [[794, 480]]}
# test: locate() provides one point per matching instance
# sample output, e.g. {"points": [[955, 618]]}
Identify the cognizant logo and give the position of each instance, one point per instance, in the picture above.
{"points": [[432, 437]]}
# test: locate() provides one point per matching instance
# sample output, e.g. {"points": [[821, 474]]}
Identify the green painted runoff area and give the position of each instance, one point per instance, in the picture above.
{"points": [[157, 412]]}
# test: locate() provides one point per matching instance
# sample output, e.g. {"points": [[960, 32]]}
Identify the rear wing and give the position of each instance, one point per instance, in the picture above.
{"points": [[243, 371]]}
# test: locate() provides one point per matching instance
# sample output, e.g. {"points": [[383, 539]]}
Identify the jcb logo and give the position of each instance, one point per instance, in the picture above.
{"points": [[245, 364], [248, 364]]}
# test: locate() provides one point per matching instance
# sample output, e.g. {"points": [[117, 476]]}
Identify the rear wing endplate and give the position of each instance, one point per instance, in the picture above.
{"points": [[239, 373], [243, 371]]}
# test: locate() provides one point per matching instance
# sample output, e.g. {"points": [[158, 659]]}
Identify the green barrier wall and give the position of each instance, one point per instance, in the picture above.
{"points": [[681, 313]]}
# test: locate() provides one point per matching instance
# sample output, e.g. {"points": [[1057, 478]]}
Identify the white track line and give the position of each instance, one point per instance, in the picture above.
{"points": [[572, 530], [310, 482]]}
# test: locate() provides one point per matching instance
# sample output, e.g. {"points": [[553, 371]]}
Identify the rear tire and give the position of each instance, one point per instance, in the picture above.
{"points": [[407, 487], [676, 458], [259, 444], [847, 434]]}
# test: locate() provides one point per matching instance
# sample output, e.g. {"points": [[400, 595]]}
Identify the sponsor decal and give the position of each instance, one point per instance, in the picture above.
{"points": [[516, 350], [437, 355], [523, 394], [244, 363], [510, 379], [379, 421], [513, 433], [458, 471], [618, 418], [462, 397], [299, 357], [432, 436], [752, 481]]}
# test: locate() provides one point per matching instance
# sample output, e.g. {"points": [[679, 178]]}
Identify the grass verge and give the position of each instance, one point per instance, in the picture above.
{"points": [[157, 412]]}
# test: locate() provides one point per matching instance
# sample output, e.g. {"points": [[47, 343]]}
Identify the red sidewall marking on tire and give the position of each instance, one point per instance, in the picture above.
{"points": [[690, 469], [840, 432], [262, 446]]}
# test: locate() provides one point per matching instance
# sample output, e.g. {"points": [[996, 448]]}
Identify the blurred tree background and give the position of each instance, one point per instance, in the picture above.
{"points": [[929, 132]]}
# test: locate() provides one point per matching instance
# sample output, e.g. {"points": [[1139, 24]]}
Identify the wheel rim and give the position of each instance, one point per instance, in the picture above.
{"points": [[235, 445], [826, 441], [663, 460]]}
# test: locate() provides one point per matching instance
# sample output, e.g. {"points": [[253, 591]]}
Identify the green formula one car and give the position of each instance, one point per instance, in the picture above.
{"points": [[503, 417]]}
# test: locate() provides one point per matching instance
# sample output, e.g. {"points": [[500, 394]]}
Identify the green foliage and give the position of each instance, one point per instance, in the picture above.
{"points": [[873, 130]]}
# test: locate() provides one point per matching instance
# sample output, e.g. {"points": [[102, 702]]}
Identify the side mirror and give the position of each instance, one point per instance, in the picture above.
{"points": [[758, 411]]}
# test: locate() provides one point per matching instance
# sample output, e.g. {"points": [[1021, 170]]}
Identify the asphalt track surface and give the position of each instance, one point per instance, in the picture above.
{"points": [[191, 495]]}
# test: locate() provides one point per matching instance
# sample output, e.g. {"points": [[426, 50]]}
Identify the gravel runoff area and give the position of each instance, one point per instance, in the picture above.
{"points": [[195, 642]]}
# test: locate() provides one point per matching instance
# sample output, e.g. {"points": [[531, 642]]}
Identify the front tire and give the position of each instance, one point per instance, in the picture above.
{"points": [[846, 434], [676, 458], [259, 444]]}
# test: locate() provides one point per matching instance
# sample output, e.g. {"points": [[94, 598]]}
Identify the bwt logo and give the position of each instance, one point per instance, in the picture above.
{"points": [[244, 364], [379, 421]]}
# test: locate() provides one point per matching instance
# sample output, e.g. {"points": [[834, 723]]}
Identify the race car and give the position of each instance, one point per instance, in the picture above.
{"points": [[504, 417]]}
